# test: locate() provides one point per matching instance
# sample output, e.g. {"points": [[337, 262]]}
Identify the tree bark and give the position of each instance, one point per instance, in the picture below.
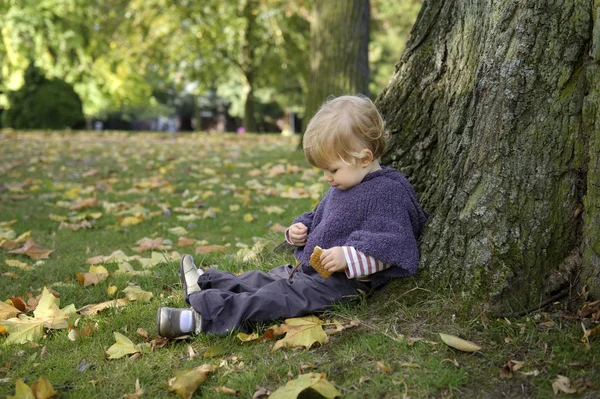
{"points": [[248, 64], [494, 111], [339, 58]]}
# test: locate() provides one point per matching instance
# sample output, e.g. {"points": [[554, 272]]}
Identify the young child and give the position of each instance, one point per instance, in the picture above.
{"points": [[367, 223]]}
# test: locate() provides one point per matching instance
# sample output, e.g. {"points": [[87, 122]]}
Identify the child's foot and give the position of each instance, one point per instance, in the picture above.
{"points": [[189, 276], [172, 322]]}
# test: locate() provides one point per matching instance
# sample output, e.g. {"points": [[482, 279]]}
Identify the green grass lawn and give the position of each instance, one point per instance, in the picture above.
{"points": [[232, 191]]}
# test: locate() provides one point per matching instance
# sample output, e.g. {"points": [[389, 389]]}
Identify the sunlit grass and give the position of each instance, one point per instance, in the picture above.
{"points": [[395, 351]]}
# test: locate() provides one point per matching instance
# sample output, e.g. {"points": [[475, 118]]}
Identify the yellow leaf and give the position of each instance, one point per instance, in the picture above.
{"points": [[131, 221], [155, 259], [16, 263], [22, 391], [111, 290], [49, 312], [96, 275], [23, 237], [135, 293], [300, 332], [315, 381], [274, 209], [459, 343], [23, 329], [215, 351], [248, 337], [186, 382], [248, 217], [7, 311], [178, 231], [42, 389], [122, 347]]}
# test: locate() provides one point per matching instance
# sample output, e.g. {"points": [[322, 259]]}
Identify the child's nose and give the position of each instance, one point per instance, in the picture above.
{"points": [[327, 176]]}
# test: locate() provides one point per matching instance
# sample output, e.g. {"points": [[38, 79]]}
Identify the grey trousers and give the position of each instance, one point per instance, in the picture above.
{"points": [[228, 302]]}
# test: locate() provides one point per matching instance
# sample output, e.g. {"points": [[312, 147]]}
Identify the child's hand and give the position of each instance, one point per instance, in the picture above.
{"points": [[298, 233], [333, 259]]}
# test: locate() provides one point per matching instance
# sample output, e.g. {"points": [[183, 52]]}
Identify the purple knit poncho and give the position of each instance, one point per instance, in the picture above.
{"points": [[379, 217]]}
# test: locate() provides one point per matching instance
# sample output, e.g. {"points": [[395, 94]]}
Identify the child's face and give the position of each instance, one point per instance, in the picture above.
{"points": [[343, 176]]}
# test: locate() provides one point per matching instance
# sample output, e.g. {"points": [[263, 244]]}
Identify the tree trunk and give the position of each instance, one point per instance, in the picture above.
{"points": [[247, 64], [494, 111], [339, 58]]}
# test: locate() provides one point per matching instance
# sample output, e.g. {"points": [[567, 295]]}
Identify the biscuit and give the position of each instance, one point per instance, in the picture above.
{"points": [[315, 262]]}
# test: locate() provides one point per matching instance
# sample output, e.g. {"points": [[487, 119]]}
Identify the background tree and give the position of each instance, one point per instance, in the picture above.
{"points": [[339, 64], [494, 111]]}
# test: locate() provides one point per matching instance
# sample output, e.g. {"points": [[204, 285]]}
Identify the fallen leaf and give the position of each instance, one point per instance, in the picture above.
{"points": [[49, 312], [215, 351], [33, 250], [18, 264], [146, 244], [115, 257], [122, 347], [384, 367], [23, 329], [135, 293], [300, 332], [248, 218], [96, 275], [138, 391], [130, 220], [314, 381], [84, 203], [562, 384], [459, 343], [22, 391], [111, 290], [178, 231], [84, 224], [207, 249], [225, 390], [186, 382], [185, 242], [278, 228], [91, 310], [42, 389], [8, 311]]}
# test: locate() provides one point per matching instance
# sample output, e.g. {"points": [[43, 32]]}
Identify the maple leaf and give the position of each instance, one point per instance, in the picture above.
{"points": [[122, 347], [84, 203], [315, 381], [8, 311], [49, 312], [22, 391], [91, 310], [300, 332], [207, 249], [33, 250], [146, 244], [186, 382], [42, 389], [135, 293], [23, 329], [96, 275]]}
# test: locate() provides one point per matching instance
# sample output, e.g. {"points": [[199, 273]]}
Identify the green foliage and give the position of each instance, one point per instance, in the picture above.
{"points": [[43, 104]]}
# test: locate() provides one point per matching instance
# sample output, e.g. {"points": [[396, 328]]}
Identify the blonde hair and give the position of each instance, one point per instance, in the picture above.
{"points": [[341, 129]]}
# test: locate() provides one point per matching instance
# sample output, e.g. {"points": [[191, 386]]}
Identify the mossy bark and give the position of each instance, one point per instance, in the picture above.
{"points": [[339, 57], [494, 114]]}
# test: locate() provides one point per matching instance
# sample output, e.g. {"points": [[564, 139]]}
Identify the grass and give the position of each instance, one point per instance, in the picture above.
{"points": [[395, 351]]}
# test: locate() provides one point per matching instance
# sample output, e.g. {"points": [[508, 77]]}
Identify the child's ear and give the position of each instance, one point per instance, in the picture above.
{"points": [[366, 157]]}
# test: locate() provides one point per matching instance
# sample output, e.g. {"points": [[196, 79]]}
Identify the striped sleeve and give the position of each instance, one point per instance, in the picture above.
{"points": [[361, 265]]}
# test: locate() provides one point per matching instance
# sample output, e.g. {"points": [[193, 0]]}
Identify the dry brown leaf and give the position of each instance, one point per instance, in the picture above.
{"points": [[562, 384], [96, 275], [84, 203], [84, 224], [207, 249], [91, 310], [147, 244], [138, 391], [33, 250], [185, 242], [225, 390], [384, 367]]}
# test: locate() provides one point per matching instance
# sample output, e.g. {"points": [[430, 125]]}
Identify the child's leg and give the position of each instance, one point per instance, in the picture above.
{"points": [[223, 310], [246, 282]]}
